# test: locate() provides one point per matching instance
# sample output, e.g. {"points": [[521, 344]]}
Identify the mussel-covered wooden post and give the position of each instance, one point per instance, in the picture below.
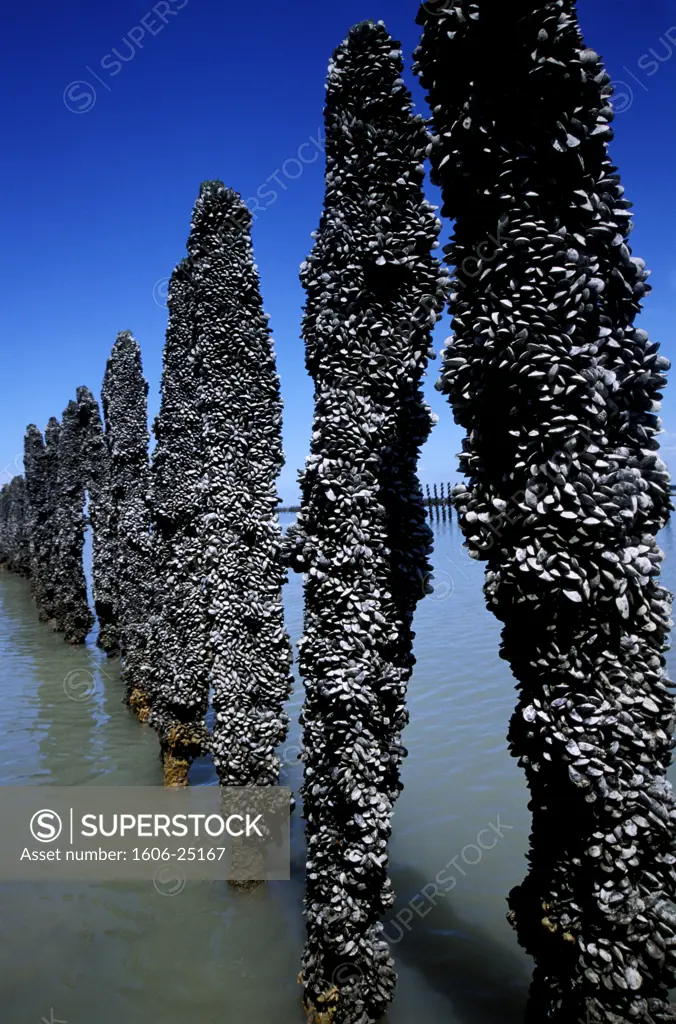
{"points": [[34, 472], [123, 397], [557, 390], [180, 656], [14, 536], [374, 290], [21, 536], [40, 468], [72, 614], [96, 468], [5, 526], [49, 531], [241, 409]]}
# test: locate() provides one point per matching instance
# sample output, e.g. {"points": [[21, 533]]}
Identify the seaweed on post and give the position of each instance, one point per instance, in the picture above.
{"points": [[374, 292], [557, 390]]}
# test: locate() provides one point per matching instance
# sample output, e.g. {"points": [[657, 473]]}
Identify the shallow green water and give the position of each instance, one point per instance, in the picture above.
{"points": [[128, 954]]}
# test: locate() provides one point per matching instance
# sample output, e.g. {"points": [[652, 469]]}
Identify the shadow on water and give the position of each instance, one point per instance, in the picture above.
{"points": [[482, 980]]}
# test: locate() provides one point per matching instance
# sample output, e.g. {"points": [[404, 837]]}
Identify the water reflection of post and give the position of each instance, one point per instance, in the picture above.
{"points": [[127, 750], [68, 698], [84, 735]]}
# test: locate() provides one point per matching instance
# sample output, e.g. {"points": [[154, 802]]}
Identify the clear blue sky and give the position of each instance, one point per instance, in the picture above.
{"points": [[96, 199]]}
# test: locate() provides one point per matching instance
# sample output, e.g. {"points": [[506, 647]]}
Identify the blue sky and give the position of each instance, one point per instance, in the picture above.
{"points": [[105, 154]]}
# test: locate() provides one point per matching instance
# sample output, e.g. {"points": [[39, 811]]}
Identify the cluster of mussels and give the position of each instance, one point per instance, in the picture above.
{"points": [[238, 397], [557, 390], [180, 668], [96, 469], [41, 459], [14, 531], [72, 615], [374, 293], [123, 396]]}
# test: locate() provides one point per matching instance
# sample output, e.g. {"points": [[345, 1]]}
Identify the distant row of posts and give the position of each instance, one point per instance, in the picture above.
{"points": [[438, 502]]}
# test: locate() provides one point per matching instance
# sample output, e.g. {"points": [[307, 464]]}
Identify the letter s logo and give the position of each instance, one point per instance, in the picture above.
{"points": [[46, 826]]}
